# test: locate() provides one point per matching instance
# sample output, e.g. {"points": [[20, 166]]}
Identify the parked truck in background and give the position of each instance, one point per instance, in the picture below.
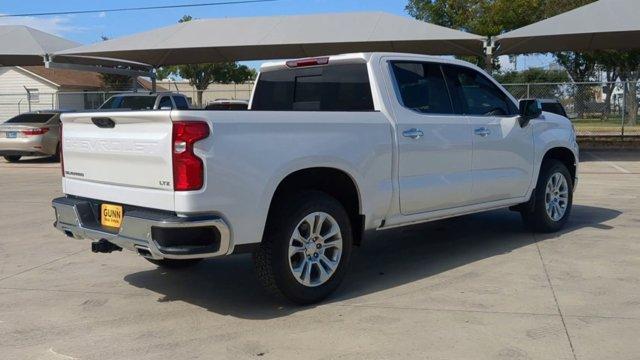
{"points": [[146, 101], [331, 149]]}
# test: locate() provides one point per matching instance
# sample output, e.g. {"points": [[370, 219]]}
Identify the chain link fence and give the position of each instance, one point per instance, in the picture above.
{"points": [[12, 104], [596, 109]]}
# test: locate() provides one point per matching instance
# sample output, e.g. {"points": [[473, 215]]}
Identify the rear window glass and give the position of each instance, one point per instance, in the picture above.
{"points": [[30, 118], [130, 102], [341, 87], [165, 102], [226, 106]]}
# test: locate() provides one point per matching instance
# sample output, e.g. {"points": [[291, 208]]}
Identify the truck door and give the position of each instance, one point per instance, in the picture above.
{"points": [[435, 144], [502, 149]]}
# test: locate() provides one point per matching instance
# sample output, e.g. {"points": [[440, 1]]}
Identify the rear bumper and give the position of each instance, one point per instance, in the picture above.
{"points": [[141, 230], [23, 153], [30, 146]]}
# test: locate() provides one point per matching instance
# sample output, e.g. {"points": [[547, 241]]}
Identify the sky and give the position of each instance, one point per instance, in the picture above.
{"points": [[88, 28]]}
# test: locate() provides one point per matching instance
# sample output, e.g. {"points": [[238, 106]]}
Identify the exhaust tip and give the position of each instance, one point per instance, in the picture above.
{"points": [[144, 252]]}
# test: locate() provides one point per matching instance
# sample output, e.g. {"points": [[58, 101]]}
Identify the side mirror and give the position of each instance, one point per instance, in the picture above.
{"points": [[529, 109]]}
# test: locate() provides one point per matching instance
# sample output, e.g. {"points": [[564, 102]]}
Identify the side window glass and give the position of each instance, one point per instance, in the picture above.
{"points": [[421, 87], [181, 103], [476, 95], [165, 102]]}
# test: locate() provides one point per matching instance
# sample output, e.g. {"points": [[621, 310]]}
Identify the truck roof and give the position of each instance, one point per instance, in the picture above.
{"points": [[366, 57], [170, 93]]}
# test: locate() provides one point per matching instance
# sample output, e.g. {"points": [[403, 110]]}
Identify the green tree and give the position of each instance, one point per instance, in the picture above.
{"points": [[608, 63], [549, 82], [532, 75], [112, 82], [488, 17], [201, 76], [629, 67], [493, 17]]}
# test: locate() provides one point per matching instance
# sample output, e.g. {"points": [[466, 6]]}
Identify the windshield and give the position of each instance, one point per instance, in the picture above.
{"points": [[130, 102], [30, 119]]}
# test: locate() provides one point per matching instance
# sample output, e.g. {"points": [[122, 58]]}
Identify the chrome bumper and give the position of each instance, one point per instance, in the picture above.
{"points": [[77, 218]]}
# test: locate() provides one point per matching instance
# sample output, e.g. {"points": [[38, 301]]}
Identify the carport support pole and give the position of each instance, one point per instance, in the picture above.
{"points": [[488, 55], [624, 107], [153, 80]]}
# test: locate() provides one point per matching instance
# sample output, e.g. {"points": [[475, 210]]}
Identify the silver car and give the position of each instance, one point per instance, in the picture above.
{"points": [[31, 134]]}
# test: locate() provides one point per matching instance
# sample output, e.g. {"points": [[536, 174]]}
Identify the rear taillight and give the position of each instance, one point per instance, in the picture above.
{"points": [[308, 62], [188, 169], [36, 131], [61, 147]]}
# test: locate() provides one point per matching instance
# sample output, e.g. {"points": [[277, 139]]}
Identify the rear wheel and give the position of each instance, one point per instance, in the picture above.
{"points": [[12, 158], [306, 248], [173, 263], [56, 157], [553, 198]]}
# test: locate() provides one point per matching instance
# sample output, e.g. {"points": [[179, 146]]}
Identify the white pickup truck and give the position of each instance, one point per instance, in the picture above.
{"points": [[330, 149]]}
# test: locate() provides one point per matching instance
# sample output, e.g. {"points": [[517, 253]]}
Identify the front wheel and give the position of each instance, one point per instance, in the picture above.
{"points": [[12, 158], [306, 248], [553, 198]]}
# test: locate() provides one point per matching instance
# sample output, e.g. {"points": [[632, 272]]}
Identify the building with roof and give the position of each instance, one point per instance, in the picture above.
{"points": [[24, 88]]}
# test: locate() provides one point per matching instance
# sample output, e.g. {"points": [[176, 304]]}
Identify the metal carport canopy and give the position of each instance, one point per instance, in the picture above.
{"points": [[261, 38], [25, 46], [602, 25]]}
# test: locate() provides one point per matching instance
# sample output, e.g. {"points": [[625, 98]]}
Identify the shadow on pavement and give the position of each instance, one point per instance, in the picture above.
{"points": [[34, 160], [391, 258]]}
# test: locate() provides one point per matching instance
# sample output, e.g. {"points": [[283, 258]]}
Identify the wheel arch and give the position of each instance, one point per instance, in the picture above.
{"points": [[333, 181], [566, 156]]}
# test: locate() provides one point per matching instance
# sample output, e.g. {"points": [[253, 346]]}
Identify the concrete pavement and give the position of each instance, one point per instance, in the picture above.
{"points": [[478, 287]]}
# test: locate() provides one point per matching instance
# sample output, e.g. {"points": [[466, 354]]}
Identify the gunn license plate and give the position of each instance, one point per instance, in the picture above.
{"points": [[12, 134], [111, 215]]}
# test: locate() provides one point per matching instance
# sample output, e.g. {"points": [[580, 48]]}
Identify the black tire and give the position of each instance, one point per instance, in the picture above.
{"points": [[56, 157], [272, 256], [12, 158], [536, 217], [173, 263]]}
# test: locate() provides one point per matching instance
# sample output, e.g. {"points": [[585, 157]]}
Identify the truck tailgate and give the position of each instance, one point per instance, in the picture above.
{"points": [[130, 149]]}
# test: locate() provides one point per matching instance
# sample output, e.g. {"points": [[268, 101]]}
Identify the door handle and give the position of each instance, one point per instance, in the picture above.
{"points": [[483, 131], [413, 133]]}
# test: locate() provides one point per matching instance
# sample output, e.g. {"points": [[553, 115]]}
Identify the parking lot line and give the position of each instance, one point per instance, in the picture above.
{"points": [[611, 164]]}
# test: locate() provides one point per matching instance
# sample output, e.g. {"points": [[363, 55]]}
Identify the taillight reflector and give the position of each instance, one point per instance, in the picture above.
{"points": [[36, 131], [308, 62], [188, 169]]}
